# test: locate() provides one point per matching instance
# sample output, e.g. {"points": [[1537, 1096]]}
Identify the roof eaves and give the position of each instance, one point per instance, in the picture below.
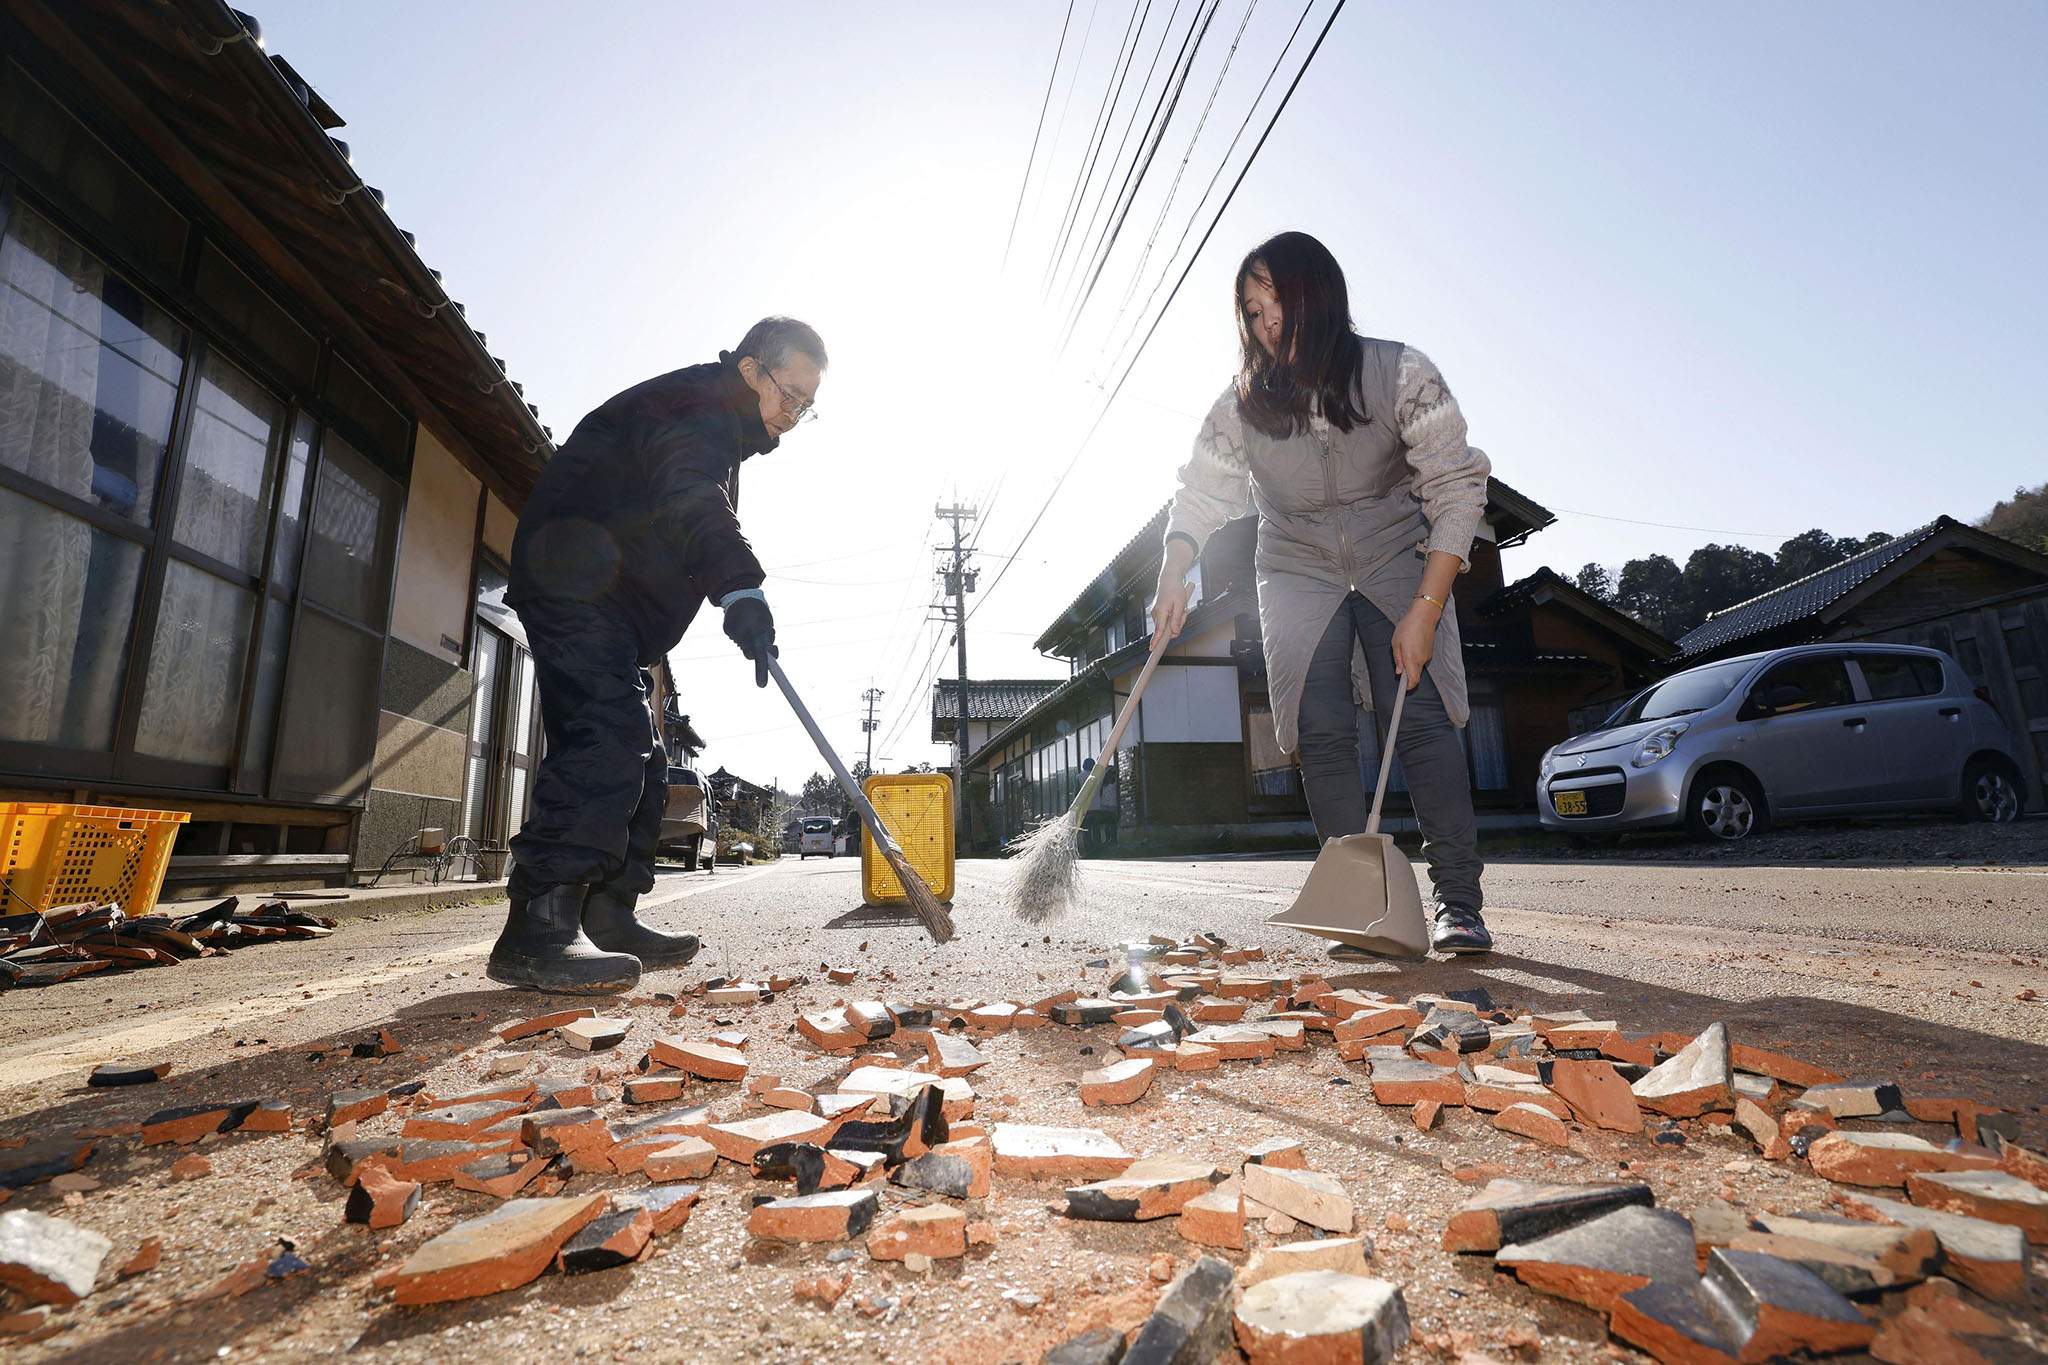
{"points": [[423, 291], [1074, 615]]}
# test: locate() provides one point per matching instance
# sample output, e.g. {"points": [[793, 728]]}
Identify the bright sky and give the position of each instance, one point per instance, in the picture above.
{"points": [[1747, 269]]}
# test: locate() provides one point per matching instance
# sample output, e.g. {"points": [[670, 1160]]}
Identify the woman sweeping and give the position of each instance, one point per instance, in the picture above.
{"points": [[1353, 453]]}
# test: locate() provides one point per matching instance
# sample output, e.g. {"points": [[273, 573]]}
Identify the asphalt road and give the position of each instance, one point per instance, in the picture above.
{"points": [[1896, 970], [1911, 974]]}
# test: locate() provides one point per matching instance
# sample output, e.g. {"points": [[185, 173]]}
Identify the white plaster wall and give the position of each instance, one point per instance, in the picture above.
{"points": [[1189, 705]]}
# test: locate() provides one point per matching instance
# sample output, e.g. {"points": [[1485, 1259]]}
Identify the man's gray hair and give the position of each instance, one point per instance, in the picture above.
{"points": [[772, 339]]}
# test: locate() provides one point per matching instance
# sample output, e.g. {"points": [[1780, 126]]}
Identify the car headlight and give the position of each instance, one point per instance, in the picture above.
{"points": [[1549, 764], [1658, 744]]}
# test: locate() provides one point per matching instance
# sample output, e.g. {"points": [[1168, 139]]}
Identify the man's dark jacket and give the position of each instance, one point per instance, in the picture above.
{"points": [[635, 511]]}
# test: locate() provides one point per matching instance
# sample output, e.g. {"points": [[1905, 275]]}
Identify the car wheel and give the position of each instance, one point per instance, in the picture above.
{"points": [[1990, 793], [1724, 806]]}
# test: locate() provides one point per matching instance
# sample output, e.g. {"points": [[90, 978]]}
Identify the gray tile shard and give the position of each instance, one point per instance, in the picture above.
{"points": [[1191, 1325]]}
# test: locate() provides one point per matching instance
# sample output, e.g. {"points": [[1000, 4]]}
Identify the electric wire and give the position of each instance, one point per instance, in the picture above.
{"points": [[1097, 134], [909, 703], [1060, 128], [1215, 177], [1173, 189], [1117, 158], [910, 706], [1153, 330], [1162, 120], [1052, 79], [1672, 526]]}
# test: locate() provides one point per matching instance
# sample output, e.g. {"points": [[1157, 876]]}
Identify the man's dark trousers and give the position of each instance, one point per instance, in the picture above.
{"points": [[603, 783]]}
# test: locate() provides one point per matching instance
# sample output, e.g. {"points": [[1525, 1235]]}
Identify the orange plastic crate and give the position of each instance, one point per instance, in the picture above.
{"points": [[917, 808], [53, 854]]}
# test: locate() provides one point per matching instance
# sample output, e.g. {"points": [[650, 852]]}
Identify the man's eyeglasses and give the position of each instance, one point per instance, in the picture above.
{"points": [[799, 409]]}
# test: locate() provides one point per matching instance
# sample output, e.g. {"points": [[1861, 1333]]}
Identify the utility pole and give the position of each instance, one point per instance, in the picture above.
{"points": [[958, 581], [871, 696]]}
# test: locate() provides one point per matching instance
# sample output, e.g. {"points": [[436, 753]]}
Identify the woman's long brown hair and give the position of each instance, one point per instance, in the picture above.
{"points": [[1273, 391]]}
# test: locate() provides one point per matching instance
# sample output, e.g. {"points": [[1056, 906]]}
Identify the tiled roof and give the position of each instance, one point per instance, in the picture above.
{"points": [[990, 698], [1546, 584], [1803, 597]]}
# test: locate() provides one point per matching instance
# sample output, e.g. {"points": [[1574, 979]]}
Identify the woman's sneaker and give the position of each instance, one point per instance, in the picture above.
{"points": [[1459, 930]]}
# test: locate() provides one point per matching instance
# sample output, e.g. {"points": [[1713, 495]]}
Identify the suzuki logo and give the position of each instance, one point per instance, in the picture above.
{"points": [[1578, 760]]}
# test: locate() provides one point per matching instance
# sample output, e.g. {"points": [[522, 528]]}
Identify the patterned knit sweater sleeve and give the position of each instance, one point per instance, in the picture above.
{"points": [[1215, 483], [1450, 476]]}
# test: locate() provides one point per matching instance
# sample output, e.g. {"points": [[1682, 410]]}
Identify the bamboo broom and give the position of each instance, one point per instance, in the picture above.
{"points": [[1045, 874]]}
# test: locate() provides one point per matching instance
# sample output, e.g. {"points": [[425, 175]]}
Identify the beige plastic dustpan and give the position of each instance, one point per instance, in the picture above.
{"points": [[1362, 890]]}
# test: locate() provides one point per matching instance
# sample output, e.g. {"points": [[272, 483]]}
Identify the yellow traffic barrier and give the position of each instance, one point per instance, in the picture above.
{"points": [[917, 810]]}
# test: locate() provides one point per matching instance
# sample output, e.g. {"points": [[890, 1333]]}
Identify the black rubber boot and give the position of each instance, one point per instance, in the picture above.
{"points": [[609, 921], [543, 949], [1459, 931]]}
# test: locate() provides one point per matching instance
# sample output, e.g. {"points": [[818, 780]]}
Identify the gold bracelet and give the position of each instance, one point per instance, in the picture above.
{"points": [[1425, 597]]}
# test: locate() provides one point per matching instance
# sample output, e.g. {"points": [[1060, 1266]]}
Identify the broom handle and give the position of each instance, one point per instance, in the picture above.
{"points": [[1082, 798], [1379, 795], [852, 789]]}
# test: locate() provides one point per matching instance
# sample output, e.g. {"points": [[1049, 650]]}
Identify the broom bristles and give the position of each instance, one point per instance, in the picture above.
{"points": [[930, 911], [1045, 874]]}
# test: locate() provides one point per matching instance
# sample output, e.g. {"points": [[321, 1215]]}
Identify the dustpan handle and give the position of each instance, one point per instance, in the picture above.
{"points": [[1379, 795]]}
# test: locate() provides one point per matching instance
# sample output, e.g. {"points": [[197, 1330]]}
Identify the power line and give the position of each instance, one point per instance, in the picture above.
{"points": [[1051, 79], [1097, 135], [1151, 331], [957, 581], [1060, 129], [1137, 103], [1184, 65], [1173, 190], [910, 706], [1217, 175], [1672, 526], [791, 724], [917, 630], [832, 559], [837, 582]]}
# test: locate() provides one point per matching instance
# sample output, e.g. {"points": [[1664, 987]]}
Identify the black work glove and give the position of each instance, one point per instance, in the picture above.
{"points": [[751, 626]]}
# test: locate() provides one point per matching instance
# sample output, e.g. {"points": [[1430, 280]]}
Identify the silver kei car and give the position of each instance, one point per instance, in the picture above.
{"points": [[1814, 730]]}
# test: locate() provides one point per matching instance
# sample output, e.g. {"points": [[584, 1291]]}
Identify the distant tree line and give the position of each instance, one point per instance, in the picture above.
{"points": [[1672, 600], [821, 794], [2023, 518]]}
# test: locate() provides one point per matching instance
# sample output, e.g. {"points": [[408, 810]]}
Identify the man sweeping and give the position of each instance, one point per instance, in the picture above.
{"points": [[630, 530]]}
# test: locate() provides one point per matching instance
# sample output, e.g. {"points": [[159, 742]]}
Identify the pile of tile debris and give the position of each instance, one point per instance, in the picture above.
{"points": [[43, 948], [1919, 1246]]}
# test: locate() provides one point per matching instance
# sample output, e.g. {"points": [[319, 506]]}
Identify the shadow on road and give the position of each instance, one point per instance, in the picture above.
{"points": [[1858, 1041]]}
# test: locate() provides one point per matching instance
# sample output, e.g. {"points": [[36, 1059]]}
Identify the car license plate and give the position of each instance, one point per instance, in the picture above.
{"points": [[1569, 803]]}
